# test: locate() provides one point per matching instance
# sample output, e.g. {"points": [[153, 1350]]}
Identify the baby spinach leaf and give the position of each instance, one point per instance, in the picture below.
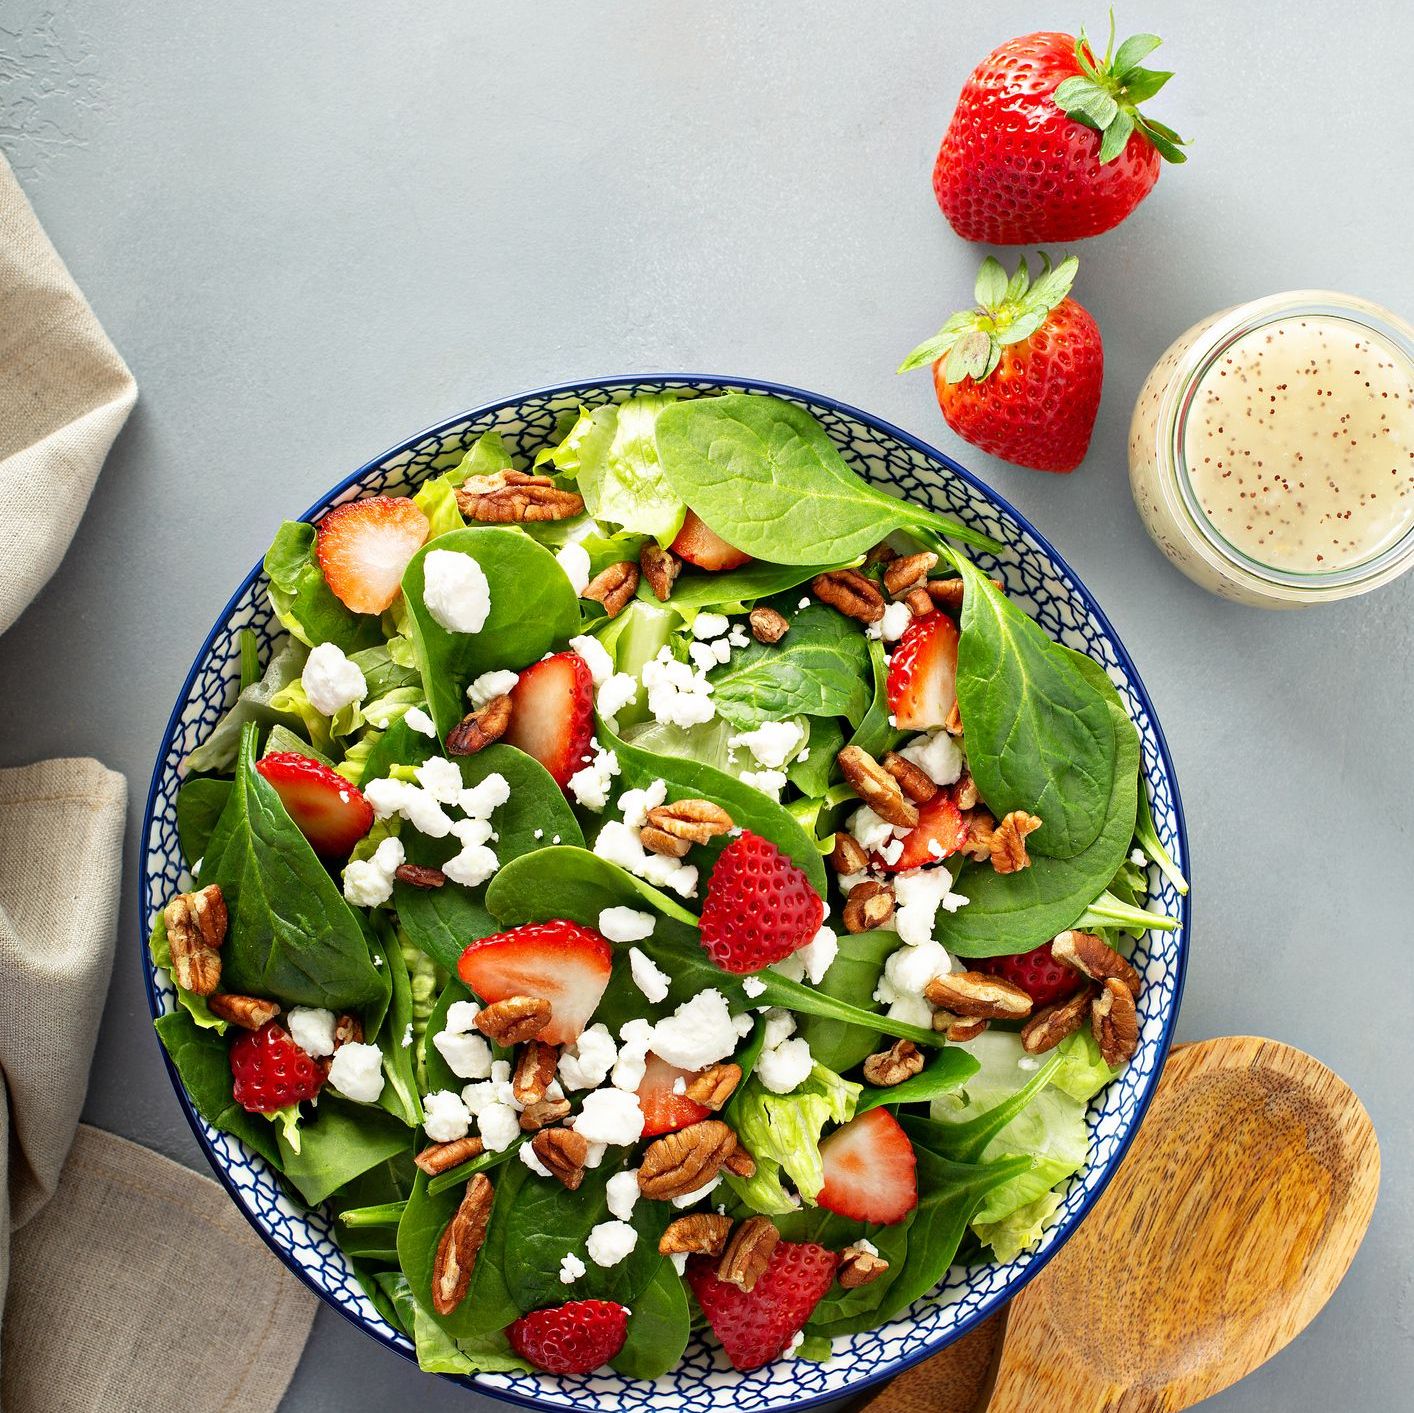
{"points": [[291, 935], [1147, 837], [947, 1070], [852, 977], [811, 776], [281, 738], [339, 1141], [820, 668], [765, 475], [695, 590], [398, 745], [533, 608], [874, 734], [658, 1328], [199, 806], [218, 751], [844, 1311], [303, 601], [399, 1097]]}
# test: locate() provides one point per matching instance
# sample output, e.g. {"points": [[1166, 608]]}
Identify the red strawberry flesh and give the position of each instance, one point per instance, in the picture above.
{"points": [[701, 545], [663, 1110], [574, 1338], [922, 681], [940, 831], [760, 906], [552, 714], [1037, 972], [329, 811], [363, 546], [871, 1173], [270, 1071]]}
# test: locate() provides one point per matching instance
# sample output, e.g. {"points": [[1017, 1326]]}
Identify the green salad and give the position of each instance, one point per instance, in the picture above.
{"points": [[658, 885]]}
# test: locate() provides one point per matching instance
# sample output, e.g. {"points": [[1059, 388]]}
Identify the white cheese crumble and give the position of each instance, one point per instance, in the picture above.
{"points": [[786, 1066], [699, 1033], [312, 1029], [918, 894], [444, 1116], [869, 830], [818, 954], [609, 1242], [647, 975], [590, 784], [331, 681], [1139, 858], [472, 866], [619, 844], [588, 1061], [615, 693], [779, 1026], [897, 617], [710, 625], [688, 1198], [490, 685], [706, 656], [368, 883], [772, 743], [571, 1267], [679, 1260], [635, 1037], [938, 756], [478, 801], [677, 694], [753, 986], [419, 721], [595, 656], [468, 1055], [621, 1193], [610, 1116], [499, 1126], [455, 591], [441, 778], [769, 782], [625, 924], [635, 804], [574, 560], [356, 1071]]}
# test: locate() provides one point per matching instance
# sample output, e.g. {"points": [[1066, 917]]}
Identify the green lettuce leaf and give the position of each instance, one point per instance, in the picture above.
{"points": [[256, 703], [1019, 1230], [302, 599]]}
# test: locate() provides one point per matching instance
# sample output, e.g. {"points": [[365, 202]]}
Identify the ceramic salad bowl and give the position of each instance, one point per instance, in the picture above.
{"points": [[1036, 578]]}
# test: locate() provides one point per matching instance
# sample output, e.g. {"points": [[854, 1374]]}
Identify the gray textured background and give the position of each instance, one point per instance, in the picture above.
{"points": [[314, 229]]}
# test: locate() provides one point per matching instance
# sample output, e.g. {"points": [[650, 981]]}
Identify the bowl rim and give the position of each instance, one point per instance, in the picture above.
{"points": [[989, 1305]]}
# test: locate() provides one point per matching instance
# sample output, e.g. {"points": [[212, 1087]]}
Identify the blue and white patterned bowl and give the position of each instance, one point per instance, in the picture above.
{"points": [[1037, 578]]}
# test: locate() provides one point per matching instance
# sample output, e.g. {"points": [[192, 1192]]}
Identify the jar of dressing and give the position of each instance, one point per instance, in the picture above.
{"points": [[1271, 453]]}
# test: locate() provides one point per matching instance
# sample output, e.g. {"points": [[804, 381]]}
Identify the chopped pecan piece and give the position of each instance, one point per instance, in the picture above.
{"points": [[1114, 1021], [443, 1157], [661, 568], [910, 572], [659, 841], [978, 996], [542, 1113], [748, 1253], [514, 498], [534, 1070], [870, 904], [1009, 841], [858, 1267], [416, 876], [965, 795], [686, 822], [196, 928], [713, 1086], [913, 780], [848, 855], [613, 587], [977, 841], [702, 1234], [945, 594], [348, 1030], [958, 1029], [1093, 957], [563, 1151], [514, 1020], [479, 728], [1049, 1026], [740, 1164], [952, 724], [248, 1012], [919, 604], [901, 1061], [681, 1162], [882, 553], [768, 626], [850, 593], [456, 1252], [876, 787]]}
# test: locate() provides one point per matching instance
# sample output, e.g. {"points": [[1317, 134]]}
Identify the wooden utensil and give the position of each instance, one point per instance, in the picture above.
{"points": [[1229, 1225]]}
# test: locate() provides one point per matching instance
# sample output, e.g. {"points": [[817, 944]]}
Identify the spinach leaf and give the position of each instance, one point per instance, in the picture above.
{"points": [[1147, 837], [658, 1328], [441, 921], [303, 601], [820, 668], [199, 806], [202, 1064], [281, 738], [399, 1097], [757, 580], [218, 751], [874, 734], [398, 745], [765, 475], [949, 1069], [811, 776], [852, 977], [291, 935], [339, 1141], [844, 1311], [533, 608]]}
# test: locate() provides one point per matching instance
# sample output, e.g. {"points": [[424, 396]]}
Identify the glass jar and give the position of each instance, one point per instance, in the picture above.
{"points": [[1271, 452]]}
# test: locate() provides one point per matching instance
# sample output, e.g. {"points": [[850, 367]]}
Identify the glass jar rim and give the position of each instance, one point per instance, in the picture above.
{"points": [[1196, 361]]}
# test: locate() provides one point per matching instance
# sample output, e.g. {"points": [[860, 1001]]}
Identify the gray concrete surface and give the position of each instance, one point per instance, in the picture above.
{"points": [[312, 229]]}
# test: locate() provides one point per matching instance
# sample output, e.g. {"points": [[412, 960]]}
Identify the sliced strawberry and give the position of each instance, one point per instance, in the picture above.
{"points": [[552, 714], [330, 812], [870, 1170], [760, 906], [270, 1071], [560, 962], [756, 1325], [363, 546], [700, 545], [663, 1110], [940, 831], [922, 682], [573, 1338], [1037, 972]]}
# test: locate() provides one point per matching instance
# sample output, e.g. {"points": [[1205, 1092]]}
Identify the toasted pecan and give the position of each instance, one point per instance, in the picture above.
{"points": [[563, 1151], [768, 626], [859, 1267], [870, 904], [196, 928], [460, 1243], [699, 1234], [1092, 956], [514, 498], [661, 568], [713, 1086], [682, 1161], [514, 1020], [978, 996], [480, 728], [248, 1012], [1008, 842], [850, 593], [901, 1061], [748, 1253], [535, 1069], [913, 780], [418, 876], [613, 587], [876, 787], [1114, 1021], [909, 572], [443, 1157], [1052, 1024]]}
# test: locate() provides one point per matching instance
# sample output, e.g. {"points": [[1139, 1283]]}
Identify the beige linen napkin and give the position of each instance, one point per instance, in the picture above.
{"points": [[126, 1272]]}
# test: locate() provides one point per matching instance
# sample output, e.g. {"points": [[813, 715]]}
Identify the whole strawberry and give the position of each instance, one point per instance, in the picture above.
{"points": [[760, 907], [1020, 375], [271, 1072], [1037, 972], [573, 1338], [1048, 143]]}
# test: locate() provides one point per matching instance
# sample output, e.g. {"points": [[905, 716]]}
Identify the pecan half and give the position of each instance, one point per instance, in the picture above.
{"points": [[876, 787], [348, 1030], [563, 1151], [913, 780], [870, 904], [850, 593], [659, 841], [683, 1161], [248, 1012], [514, 1020], [514, 498], [1009, 841], [977, 841], [748, 1253], [196, 928], [958, 1029], [701, 1234], [661, 569], [919, 604], [613, 587], [1093, 957], [910, 572], [685, 822], [848, 855], [456, 1252], [858, 1267], [1114, 1021], [901, 1061], [978, 996], [534, 1070], [713, 1086], [1049, 1026], [768, 626], [443, 1157], [945, 594], [542, 1113], [479, 728], [416, 876]]}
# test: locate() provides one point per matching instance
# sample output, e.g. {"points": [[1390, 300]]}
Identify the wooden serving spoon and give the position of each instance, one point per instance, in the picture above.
{"points": [[1229, 1225]]}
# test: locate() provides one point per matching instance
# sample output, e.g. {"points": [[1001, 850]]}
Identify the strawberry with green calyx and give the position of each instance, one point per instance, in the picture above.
{"points": [[1020, 375], [1048, 142]]}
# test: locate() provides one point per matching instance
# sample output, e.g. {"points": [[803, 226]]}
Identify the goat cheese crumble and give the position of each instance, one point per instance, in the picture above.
{"points": [[455, 591], [331, 681], [368, 883], [625, 924], [356, 1071]]}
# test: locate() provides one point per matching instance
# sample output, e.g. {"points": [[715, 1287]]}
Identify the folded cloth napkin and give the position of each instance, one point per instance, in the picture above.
{"points": [[126, 1273]]}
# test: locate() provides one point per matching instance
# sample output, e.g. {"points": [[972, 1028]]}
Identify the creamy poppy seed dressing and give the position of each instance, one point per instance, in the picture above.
{"points": [[1299, 444]]}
